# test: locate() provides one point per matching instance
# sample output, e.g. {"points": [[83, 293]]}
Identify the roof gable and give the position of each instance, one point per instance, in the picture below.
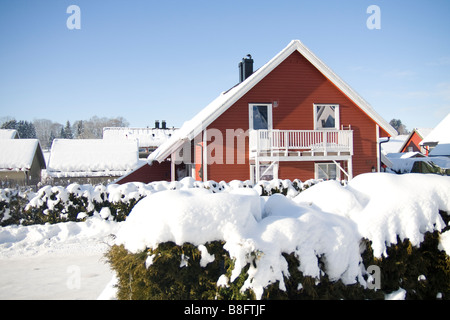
{"points": [[18, 154], [440, 134], [205, 117], [9, 134]]}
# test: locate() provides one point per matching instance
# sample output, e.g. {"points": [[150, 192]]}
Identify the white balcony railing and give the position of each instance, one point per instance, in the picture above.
{"points": [[300, 142]]}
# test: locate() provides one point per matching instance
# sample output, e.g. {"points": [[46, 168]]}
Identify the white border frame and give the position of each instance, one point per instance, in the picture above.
{"points": [[269, 114], [337, 118], [316, 170]]}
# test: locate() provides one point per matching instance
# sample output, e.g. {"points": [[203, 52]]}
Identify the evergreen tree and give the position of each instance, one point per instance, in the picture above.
{"points": [[68, 131], [25, 129], [62, 134], [11, 124]]}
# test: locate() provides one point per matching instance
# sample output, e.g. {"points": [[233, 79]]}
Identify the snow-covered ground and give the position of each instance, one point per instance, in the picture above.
{"points": [[65, 260], [60, 261]]}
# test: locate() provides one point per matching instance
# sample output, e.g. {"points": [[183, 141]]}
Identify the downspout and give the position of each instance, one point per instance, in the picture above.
{"points": [[200, 172], [379, 148]]}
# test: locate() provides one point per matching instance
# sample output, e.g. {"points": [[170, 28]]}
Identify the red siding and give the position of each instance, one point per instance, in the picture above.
{"points": [[413, 142], [148, 173], [296, 84]]}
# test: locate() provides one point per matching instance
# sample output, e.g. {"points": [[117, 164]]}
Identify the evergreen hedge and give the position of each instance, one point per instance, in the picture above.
{"points": [[423, 272], [54, 204]]}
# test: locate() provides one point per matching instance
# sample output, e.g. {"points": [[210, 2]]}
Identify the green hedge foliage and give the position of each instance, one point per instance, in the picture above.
{"points": [[423, 272]]}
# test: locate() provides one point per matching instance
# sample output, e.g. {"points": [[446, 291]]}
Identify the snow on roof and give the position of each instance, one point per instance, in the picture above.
{"points": [[205, 117], [8, 134], [17, 154], [147, 137], [422, 132], [440, 134], [442, 149], [394, 144], [92, 157]]}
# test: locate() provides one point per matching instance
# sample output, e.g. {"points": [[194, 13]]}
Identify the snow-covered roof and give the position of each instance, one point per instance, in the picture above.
{"points": [[394, 145], [8, 134], [442, 149], [92, 157], [205, 117], [147, 137], [440, 134], [18, 154]]}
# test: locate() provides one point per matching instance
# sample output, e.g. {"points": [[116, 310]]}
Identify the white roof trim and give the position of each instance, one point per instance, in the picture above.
{"points": [[211, 112]]}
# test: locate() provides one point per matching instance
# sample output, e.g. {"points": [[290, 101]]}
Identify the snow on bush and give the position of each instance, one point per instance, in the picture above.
{"points": [[53, 204], [322, 226], [385, 206]]}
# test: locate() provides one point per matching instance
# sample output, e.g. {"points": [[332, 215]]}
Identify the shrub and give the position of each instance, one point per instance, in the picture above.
{"points": [[12, 202], [423, 272], [174, 273]]}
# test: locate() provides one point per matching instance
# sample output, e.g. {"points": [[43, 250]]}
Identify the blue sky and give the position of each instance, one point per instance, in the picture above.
{"points": [[146, 60]]}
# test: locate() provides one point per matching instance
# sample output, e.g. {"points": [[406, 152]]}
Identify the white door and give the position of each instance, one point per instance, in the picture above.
{"points": [[260, 118]]}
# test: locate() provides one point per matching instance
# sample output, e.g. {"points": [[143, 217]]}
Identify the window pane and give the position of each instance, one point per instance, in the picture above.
{"points": [[268, 176], [260, 118], [325, 117], [326, 171]]}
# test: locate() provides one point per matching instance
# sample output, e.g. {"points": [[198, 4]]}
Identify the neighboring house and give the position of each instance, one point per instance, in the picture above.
{"points": [[21, 162], [429, 151], [292, 118], [412, 142], [149, 139], [91, 160], [439, 136], [9, 134]]}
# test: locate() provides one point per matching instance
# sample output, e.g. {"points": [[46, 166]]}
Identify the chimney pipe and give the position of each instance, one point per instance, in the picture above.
{"points": [[163, 124], [245, 68], [156, 124]]}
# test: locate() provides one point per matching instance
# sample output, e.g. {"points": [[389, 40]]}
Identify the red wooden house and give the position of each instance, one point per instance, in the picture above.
{"points": [[293, 118], [412, 143]]}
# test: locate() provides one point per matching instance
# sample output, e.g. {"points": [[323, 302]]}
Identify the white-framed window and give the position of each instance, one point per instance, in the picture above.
{"points": [[326, 116], [327, 171], [260, 116], [267, 172]]}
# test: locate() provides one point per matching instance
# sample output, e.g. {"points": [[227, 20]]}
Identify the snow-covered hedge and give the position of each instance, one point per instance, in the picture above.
{"points": [[290, 247], [52, 204], [12, 203]]}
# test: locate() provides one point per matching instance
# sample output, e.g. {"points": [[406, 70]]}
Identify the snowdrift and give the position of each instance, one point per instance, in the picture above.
{"points": [[323, 224]]}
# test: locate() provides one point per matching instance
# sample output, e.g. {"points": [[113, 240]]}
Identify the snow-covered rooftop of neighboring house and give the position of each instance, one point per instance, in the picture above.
{"points": [[8, 134], [442, 149], [440, 134], [423, 132], [147, 137], [17, 154], [394, 144], [92, 157]]}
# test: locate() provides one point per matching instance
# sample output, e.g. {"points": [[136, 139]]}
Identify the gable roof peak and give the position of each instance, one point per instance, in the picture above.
{"points": [[226, 99]]}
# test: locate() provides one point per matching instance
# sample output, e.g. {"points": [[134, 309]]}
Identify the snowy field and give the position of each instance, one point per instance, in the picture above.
{"points": [[65, 260], [61, 261]]}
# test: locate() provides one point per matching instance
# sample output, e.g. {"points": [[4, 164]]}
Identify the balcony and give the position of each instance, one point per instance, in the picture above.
{"points": [[301, 145]]}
